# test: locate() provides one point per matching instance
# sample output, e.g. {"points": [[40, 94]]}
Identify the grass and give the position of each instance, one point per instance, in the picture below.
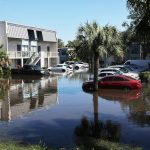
{"points": [[98, 145], [16, 146]]}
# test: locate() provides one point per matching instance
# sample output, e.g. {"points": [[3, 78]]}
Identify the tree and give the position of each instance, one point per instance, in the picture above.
{"points": [[60, 43], [91, 38], [113, 43], [139, 14], [4, 62], [94, 41]]}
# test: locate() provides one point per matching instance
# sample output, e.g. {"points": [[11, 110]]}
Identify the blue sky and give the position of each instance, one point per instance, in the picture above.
{"points": [[64, 16]]}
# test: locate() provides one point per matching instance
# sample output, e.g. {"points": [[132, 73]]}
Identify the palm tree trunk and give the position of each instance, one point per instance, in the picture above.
{"points": [[96, 66], [95, 105]]}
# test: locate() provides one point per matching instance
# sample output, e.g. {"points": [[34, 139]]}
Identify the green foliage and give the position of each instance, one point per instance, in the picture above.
{"points": [[145, 76], [72, 55], [139, 14], [4, 65], [105, 40], [60, 43]]}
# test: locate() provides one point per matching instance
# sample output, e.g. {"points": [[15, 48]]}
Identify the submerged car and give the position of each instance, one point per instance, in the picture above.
{"points": [[121, 70], [29, 70], [60, 68], [104, 74], [114, 82], [77, 65]]}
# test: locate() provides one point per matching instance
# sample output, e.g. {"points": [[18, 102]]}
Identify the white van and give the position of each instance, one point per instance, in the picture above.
{"points": [[141, 63]]}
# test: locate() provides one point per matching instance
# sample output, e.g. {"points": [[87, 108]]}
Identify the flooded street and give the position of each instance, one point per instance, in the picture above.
{"points": [[48, 110]]}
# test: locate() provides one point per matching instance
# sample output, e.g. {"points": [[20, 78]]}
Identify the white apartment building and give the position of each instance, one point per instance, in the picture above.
{"points": [[29, 45]]}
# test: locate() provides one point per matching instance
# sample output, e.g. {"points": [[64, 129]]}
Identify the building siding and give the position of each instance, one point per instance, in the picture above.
{"points": [[12, 35]]}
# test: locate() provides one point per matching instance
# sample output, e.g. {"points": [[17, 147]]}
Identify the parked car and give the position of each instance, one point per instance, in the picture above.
{"points": [[123, 71], [115, 82], [138, 68], [125, 68], [84, 64], [77, 65], [143, 63], [29, 70], [104, 74], [60, 68]]}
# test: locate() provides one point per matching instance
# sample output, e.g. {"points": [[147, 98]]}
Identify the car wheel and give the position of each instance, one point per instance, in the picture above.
{"points": [[63, 70], [87, 88], [76, 67]]}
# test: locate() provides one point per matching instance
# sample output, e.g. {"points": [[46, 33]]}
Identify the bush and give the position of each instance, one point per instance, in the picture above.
{"points": [[145, 76]]}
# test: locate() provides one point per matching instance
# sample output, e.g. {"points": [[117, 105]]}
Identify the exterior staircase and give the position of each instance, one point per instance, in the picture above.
{"points": [[35, 57]]}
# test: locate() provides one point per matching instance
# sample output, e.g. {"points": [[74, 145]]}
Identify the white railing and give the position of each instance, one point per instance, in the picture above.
{"points": [[16, 54]]}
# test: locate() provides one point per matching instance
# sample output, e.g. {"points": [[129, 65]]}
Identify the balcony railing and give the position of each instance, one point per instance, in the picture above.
{"points": [[16, 54]]}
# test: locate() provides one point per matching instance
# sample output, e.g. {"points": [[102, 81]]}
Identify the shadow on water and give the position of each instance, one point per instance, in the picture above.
{"points": [[90, 132]]}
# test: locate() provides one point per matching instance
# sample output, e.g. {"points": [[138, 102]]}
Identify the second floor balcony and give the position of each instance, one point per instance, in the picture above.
{"points": [[26, 54]]}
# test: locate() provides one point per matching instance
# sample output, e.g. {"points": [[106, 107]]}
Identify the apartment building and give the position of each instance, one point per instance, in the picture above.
{"points": [[29, 45]]}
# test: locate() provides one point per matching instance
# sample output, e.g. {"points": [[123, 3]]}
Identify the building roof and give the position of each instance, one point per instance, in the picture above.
{"points": [[21, 31]]}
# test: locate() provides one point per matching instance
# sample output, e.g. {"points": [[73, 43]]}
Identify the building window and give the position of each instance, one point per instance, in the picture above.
{"points": [[39, 35], [39, 48], [31, 35], [48, 49], [18, 47]]}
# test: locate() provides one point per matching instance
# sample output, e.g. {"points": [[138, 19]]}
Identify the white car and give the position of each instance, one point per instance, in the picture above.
{"points": [[84, 64], [121, 71], [104, 74], [124, 68], [60, 68], [75, 65]]}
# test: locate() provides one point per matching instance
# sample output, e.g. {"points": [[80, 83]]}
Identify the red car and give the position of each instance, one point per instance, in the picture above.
{"points": [[114, 82]]}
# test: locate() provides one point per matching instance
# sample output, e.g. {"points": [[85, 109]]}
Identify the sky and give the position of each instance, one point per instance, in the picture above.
{"points": [[64, 16]]}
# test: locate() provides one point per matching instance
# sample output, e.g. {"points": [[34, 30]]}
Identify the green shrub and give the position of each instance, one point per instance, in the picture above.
{"points": [[145, 76]]}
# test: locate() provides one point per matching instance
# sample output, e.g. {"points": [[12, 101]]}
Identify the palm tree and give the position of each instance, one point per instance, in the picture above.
{"points": [[113, 43], [91, 37], [95, 41]]}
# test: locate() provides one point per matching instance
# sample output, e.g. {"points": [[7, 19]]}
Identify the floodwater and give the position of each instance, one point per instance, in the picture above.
{"points": [[48, 110]]}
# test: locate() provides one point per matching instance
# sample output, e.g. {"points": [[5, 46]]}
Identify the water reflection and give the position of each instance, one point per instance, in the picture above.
{"points": [[136, 103], [120, 95], [22, 94], [89, 133]]}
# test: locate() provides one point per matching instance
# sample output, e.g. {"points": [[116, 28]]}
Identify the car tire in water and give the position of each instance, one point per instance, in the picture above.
{"points": [[76, 68], [63, 70], [87, 88]]}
